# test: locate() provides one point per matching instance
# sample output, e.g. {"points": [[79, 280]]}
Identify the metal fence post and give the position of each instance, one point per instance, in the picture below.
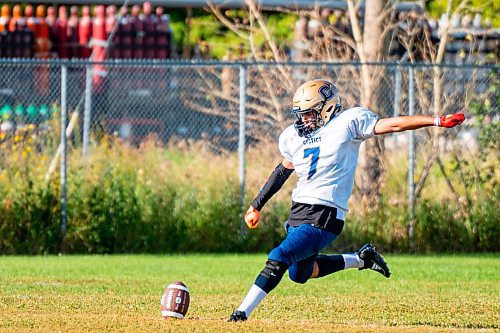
{"points": [[64, 82], [411, 161], [241, 141], [397, 91], [87, 110]]}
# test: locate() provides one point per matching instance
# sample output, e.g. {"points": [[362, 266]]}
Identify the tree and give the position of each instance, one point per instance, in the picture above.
{"points": [[371, 46], [366, 36]]}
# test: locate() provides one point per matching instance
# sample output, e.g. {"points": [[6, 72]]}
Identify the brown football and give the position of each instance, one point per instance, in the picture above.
{"points": [[175, 301]]}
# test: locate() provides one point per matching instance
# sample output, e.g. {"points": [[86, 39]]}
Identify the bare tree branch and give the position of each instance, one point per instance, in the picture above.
{"points": [[425, 172], [356, 30], [269, 39], [448, 182], [215, 10]]}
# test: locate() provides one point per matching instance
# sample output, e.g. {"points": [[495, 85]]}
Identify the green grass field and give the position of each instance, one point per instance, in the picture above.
{"points": [[122, 293]]}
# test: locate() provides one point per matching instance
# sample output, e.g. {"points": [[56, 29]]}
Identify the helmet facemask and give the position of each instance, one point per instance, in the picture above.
{"points": [[307, 126]]}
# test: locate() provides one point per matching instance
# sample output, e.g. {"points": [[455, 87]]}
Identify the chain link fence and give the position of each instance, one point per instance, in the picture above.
{"points": [[195, 101], [182, 103]]}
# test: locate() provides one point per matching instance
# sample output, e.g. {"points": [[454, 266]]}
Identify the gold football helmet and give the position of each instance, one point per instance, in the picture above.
{"points": [[319, 98]]}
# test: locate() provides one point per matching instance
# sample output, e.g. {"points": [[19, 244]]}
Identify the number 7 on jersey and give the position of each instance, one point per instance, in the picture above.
{"points": [[314, 160]]}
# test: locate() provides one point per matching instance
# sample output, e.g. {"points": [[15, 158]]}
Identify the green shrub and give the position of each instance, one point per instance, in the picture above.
{"points": [[386, 228], [30, 208], [486, 225], [108, 217], [439, 229], [30, 220], [157, 199]]}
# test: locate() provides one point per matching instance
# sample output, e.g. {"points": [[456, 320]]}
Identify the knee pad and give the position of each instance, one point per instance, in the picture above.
{"points": [[299, 274], [271, 275]]}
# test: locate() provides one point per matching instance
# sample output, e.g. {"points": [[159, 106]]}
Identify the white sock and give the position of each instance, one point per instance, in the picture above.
{"points": [[352, 260], [254, 296]]}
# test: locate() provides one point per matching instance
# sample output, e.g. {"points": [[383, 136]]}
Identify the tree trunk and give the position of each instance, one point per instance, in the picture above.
{"points": [[375, 49], [186, 49]]}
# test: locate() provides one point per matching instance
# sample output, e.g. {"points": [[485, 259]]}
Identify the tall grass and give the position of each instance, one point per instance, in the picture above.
{"points": [[158, 199]]}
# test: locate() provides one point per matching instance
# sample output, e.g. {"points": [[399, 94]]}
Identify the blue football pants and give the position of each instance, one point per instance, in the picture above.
{"points": [[300, 249]]}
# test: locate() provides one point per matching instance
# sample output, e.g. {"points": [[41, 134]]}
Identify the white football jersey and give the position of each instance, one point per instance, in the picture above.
{"points": [[325, 162]]}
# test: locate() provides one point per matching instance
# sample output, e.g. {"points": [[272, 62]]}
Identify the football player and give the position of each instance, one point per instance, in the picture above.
{"points": [[322, 148]]}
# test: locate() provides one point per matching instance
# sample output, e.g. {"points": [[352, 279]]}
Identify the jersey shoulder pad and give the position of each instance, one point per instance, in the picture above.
{"points": [[285, 139]]}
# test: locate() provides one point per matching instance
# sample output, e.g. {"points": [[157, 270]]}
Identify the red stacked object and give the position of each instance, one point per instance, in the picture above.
{"points": [[31, 20], [16, 41], [85, 32], [27, 33], [125, 33], [72, 33], [42, 49], [114, 50], [67, 35], [5, 18], [149, 25], [22, 38], [42, 34], [163, 35], [98, 44], [138, 29], [61, 33], [5, 37], [51, 21]]}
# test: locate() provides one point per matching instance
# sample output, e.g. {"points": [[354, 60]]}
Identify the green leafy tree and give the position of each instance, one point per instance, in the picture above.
{"points": [[488, 9]]}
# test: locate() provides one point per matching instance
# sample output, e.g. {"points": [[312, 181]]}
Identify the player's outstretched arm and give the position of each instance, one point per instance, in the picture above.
{"points": [[273, 184], [405, 123]]}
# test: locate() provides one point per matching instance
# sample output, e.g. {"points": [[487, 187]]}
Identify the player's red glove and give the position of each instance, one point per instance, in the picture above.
{"points": [[252, 217], [450, 120]]}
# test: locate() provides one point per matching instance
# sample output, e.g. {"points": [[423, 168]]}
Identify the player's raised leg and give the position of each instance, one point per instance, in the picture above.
{"points": [[373, 260], [365, 258]]}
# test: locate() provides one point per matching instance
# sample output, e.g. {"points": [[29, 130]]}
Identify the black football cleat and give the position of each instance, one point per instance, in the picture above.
{"points": [[373, 260], [238, 316]]}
